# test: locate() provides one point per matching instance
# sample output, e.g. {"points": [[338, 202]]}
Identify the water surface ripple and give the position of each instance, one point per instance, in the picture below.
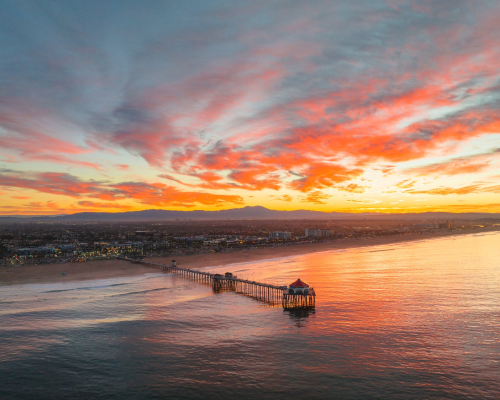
{"points": [[419, 321]]}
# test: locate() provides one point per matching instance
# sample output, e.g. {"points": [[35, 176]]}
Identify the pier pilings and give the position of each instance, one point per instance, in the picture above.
{"points": [[272, 295]]}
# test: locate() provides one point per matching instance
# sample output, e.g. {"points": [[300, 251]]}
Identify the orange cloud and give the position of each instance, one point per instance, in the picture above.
{"points": [[462, 165], [285, 197], [272, 116], [371, 119], [353, 188], [53, 182], [324, 175], [34, 207], [406, 184], [315, 198], [156, 194], [446, 191]]}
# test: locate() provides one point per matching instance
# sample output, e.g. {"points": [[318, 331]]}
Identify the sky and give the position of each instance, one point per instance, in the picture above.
{"points": [[387, 106]]}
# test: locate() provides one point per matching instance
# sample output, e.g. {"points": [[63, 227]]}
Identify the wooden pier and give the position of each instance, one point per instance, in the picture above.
{"points": [[270, 294]]}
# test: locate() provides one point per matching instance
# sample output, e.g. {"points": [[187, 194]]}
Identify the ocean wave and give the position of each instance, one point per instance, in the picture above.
{"points": [[86, 288], [141, 291]]}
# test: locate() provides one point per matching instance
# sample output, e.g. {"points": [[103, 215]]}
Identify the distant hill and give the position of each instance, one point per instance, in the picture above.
{"points": [[235, 213], [242, 213]]}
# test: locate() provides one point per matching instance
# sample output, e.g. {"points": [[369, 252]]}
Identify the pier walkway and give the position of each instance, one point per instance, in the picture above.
{"points": [[270, 294]]}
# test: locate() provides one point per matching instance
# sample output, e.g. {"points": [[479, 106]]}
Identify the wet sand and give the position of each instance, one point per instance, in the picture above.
{"points": [[53, 273], [119, 268]]}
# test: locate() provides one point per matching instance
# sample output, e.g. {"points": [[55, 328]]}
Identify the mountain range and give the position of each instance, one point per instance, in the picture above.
{"points": [[256, 212]]}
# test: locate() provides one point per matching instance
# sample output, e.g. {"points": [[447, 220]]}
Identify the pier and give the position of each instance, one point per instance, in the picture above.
{"points": [[273, 295]]}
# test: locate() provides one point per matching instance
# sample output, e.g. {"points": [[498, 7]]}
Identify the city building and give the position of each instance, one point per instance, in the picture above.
{"points": [[280, 235], [317, 232], [426, 225]]}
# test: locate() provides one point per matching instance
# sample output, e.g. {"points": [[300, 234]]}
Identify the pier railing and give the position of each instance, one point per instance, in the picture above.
{"points": [[270, 294]]}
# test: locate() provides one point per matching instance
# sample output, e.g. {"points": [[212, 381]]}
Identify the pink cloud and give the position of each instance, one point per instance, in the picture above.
{"points": [[25, 140]]}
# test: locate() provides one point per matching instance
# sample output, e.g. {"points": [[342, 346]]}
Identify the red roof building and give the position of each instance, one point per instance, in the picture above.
{"points": [[299, 285]]}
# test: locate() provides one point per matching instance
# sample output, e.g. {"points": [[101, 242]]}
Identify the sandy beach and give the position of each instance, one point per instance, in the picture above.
{"points": [[53, 273]]}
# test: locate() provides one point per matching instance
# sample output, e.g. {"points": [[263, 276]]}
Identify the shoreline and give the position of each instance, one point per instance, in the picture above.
{"points": [[92, 270], [198, 261]]}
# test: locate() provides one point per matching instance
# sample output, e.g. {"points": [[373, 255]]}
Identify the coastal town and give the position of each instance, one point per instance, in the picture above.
{"points": [[47, 243]]}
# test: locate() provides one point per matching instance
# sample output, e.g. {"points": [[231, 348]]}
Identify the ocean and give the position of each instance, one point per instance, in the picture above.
{"points": [[411, 320]]}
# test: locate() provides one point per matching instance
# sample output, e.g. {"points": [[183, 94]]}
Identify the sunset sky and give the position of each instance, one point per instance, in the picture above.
{"points": [[380, 106]]}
